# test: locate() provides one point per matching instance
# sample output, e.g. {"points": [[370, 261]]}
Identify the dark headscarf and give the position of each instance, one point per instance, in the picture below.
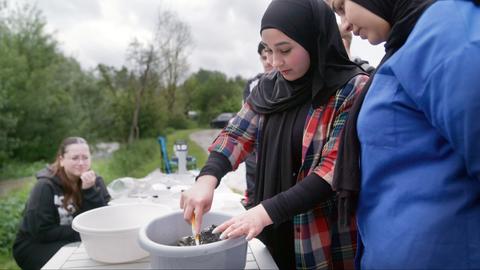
{"points": [[402, 15], [312, 24]]}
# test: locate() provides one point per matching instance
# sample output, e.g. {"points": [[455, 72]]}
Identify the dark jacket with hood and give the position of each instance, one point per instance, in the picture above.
{"points": [[45, 219]]}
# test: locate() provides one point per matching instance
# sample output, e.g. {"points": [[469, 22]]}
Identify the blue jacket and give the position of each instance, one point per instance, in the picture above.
{"points": [[419, 129]]}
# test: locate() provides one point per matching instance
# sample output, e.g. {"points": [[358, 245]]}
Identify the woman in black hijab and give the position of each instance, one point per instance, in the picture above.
{"points": [[294, 117], [378, 21], [411, 147]]}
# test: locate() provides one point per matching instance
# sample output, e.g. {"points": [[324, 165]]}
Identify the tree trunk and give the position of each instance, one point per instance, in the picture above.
{"points": [[134, 129]]}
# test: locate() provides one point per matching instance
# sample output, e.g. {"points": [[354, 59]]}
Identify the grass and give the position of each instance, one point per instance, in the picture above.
{"points": [[143, 157], [12, 207], [136, 160], [14, 170], [7, 262]]}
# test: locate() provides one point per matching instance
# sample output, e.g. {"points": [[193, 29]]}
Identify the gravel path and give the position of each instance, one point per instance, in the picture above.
{"points": [[205, 137], [10, 185]]}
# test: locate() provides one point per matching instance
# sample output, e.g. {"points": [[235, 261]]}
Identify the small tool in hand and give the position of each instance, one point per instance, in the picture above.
{"points": [[196, 235]]}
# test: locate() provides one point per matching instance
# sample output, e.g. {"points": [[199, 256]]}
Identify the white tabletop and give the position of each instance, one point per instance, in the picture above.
{"points": [[74, 256]]}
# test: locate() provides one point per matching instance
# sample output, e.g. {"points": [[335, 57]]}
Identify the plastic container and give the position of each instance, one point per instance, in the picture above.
{"points": [[110, 233], [159, 237]]}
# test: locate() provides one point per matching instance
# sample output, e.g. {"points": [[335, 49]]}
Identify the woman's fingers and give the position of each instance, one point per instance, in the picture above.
{"points": [[187, 213], [238, 230], [220, 228], [197, 200], [227, 233], [198, 212], [251, 234], [233, 228], [249, 224], [88, 179]]}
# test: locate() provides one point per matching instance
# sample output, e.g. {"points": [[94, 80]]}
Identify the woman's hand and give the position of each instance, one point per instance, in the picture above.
{"points": [[88, 179], [249, 223], [198, 199]]}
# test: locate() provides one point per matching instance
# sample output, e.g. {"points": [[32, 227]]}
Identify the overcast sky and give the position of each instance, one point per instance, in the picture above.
{"points": [[225, 32]]}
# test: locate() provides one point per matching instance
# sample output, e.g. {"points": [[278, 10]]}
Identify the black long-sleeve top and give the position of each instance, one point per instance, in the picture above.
{"points": [[46, 220], [301, 197]]}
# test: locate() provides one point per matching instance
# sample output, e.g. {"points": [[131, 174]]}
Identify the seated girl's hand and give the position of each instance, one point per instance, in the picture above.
{"points": [[249, 223], [88, 179]]}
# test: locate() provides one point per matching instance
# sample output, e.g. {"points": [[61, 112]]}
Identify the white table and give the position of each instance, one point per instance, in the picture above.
{"points": [[74, 256]]}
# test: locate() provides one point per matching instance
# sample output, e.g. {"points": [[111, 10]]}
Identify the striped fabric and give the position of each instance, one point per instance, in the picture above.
{"points": [[320, 242]]}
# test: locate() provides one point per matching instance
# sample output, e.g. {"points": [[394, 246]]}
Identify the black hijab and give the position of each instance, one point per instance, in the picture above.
{"points": [[312, 24], [402, 15]]}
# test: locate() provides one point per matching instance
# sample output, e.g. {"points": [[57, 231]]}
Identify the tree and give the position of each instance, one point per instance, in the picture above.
{"points": [[157, 66], [144, 61], [35, 95], [173, 39], [114, 109], [39, 88], [10, 65], [211, 92]]}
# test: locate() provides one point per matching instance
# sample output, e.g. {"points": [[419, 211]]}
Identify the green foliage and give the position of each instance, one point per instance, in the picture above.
{"points": [[115, 108], [7, 262], [12, 68], [211, 93], [11, 213], [46, 96], [10, 216], [37, 108], [179, 121], [109, 104], [154, 116], [16, 169]]}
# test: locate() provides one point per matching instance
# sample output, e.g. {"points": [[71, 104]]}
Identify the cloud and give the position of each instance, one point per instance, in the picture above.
{"points": [[225, 32]]}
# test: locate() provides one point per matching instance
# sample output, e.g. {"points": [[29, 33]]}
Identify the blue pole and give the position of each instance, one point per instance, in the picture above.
{"points": [[163, 150]]}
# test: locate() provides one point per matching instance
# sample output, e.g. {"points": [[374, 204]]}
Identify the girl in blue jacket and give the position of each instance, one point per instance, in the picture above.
{"points": [[414, 139]]}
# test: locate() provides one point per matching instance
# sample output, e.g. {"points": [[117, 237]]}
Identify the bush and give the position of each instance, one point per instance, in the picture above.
{"points": [[13, 170], [10, 216], [7, 262], [179, 121]]}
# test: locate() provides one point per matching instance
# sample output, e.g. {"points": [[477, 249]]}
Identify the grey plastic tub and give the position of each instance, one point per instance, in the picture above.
{"points": [[159, 238]]}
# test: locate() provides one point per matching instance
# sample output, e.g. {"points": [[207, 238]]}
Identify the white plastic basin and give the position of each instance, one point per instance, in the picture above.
{"points": [[110, 233]]}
